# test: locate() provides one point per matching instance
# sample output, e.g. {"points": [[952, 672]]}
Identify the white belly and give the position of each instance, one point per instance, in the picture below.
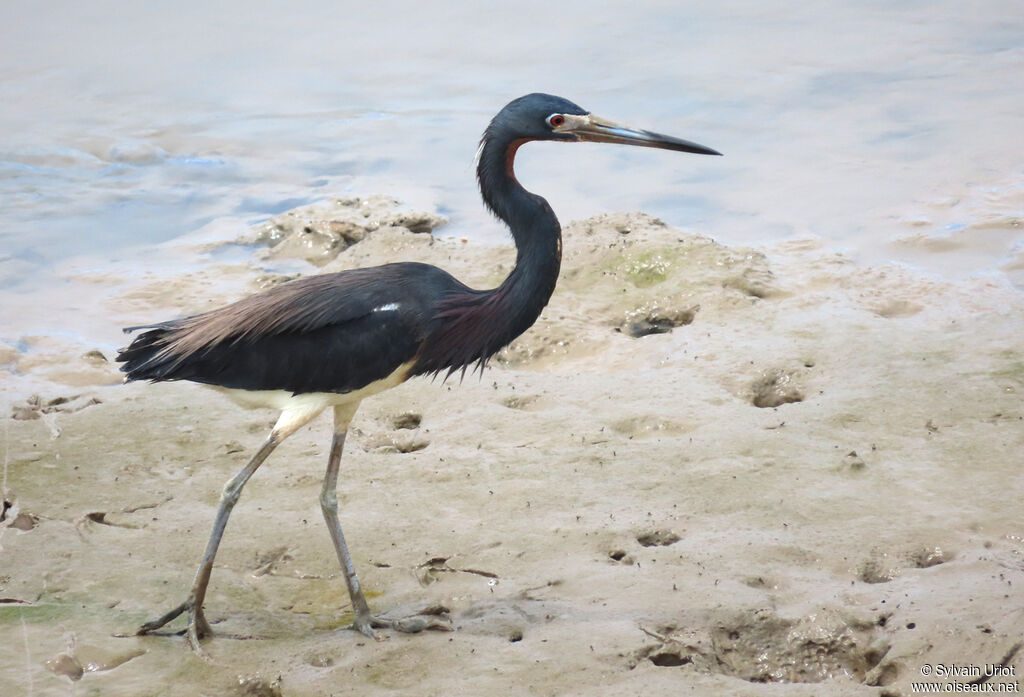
{"points": [[299, 409]]}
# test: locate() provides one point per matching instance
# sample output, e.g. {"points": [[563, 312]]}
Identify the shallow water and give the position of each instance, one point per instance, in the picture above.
{"points": [[887, 129]]}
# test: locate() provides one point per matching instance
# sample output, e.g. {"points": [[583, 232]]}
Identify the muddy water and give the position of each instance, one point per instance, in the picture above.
{"points": [[779, 457]]}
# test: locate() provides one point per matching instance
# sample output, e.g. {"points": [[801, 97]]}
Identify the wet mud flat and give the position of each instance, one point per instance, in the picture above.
{"points": [[707, 469]]}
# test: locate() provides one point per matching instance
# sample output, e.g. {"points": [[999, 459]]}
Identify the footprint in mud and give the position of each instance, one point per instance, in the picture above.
{"points": [[522, 402], [895, 308], [649, 425], [498, 618], [647, 538], [403, 442], [401, 435], [755, 281], [761, 646], [620, 556], [669, 658], [265, 562]]}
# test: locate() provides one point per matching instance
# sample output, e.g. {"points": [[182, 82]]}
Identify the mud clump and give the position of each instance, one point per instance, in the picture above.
{"points": [[76, 661], [404, 444], [657, 320], [928, 557], [320, 232], [652, 279], [649, 425], [66, 665], [658, 538], [255, 686], [761, 646], [35, 406], [881, 567], [774, 388], [876, 570], [320, 660], [408, 420], [853, 462]]}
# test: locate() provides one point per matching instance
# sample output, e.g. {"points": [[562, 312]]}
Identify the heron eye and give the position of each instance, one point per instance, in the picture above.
{"points": [[556, 120]]}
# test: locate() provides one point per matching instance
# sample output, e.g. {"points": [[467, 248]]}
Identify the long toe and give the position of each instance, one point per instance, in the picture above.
{"points": [[415, 624], [159, 622], [435, 618]]}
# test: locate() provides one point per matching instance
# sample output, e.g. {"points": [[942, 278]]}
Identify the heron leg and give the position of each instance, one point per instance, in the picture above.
{"points": [[364, 621], [198, 627]]}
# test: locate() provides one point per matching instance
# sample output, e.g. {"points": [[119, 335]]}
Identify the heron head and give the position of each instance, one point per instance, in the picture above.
{"points": [[530, 118], [547, 117]]}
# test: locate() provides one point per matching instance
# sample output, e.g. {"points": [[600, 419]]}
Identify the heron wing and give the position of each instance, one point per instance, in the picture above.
{"points": [[328, 333]]}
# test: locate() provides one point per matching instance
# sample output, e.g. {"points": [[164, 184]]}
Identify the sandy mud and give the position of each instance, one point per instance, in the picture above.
{"points": [[705, 470]]}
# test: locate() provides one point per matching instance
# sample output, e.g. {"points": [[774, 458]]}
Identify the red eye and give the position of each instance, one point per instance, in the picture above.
{"points": [[556, 120]]}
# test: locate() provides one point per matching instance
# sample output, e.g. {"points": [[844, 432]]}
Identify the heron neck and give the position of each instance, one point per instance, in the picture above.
{"points": [[534, 227], [473, 325]]}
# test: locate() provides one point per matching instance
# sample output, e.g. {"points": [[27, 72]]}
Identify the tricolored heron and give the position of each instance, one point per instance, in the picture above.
{"points": [[334, 339]]}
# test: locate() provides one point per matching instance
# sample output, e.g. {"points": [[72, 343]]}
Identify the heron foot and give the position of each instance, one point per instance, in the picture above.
{"points": [[435, 618], [367, 623], [198, 628]]}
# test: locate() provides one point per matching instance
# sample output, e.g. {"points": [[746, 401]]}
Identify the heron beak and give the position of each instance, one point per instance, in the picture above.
{"points": [[597, 130]]}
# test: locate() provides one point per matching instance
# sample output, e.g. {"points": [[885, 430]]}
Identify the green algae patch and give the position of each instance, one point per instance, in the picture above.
{"points": [[46, 612], [648, 268]]}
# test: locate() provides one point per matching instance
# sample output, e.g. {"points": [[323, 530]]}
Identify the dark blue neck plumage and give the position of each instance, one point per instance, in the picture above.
{"points": [[474, 325], [533, 225]]}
